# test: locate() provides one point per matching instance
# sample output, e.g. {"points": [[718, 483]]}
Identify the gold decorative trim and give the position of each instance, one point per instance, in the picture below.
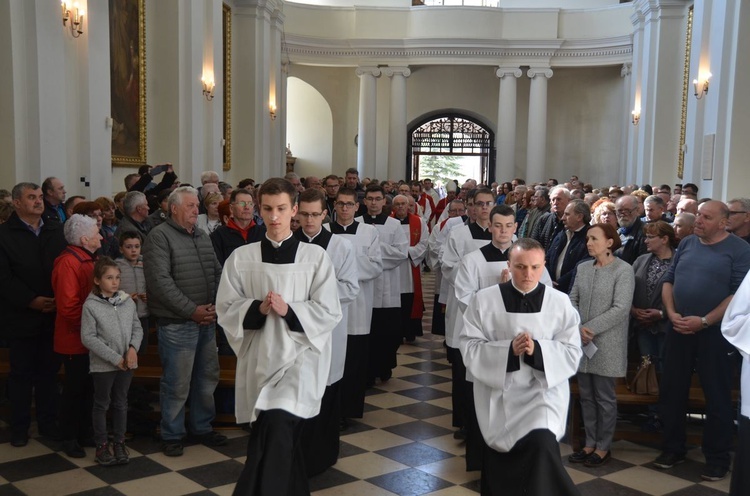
{"points": [[140, 158], [227, 38], [685, 94]]}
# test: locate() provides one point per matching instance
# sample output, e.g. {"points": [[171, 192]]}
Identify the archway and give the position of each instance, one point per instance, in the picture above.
{"points": [[309, 129]]}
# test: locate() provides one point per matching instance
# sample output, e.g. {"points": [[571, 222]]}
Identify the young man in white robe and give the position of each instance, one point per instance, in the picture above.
{"points": [[278, 304], [521, 344], [366, 242], [386, 306], [320, 434], [412, 302], [736, 329], [462, 240]]}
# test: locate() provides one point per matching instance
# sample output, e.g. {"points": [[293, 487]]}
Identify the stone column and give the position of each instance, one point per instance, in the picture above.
{"points": [[537, 135], [505, 141], [628, 130], [397, 124], [368, 94]]}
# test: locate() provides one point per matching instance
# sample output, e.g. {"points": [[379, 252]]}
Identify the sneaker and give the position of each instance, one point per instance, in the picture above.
{"points": [[104, 456], [172, 448], [668, 460], [121, 453], [713, 473], [73, 449], [211, 439]]}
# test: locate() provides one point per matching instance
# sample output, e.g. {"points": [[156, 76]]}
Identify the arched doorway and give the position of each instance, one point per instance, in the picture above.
{"points": [[449, 145]]}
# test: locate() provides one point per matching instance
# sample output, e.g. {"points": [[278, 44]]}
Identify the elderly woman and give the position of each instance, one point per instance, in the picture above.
{"points": [[602, 293], [604, 213], [72, 278], [209, 221]]}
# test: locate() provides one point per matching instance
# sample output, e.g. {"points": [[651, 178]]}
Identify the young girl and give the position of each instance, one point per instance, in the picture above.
{"points": [[110, 329]]}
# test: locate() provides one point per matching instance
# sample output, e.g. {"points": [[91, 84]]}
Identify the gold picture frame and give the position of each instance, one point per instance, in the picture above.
{"points": [[127, 47], [227, 38]]}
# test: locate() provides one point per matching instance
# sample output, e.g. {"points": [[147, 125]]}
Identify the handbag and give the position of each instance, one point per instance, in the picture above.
{"points": [[645, 381]]}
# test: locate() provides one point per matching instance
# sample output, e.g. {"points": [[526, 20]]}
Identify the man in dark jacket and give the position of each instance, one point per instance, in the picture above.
{"points": [[241, 228], [28, 248], [182, 275], [569, 246], [54, 200], [631, 229]]}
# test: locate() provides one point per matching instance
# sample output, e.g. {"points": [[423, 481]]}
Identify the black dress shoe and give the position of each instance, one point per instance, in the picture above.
{"points": [[597, 461], [579, 456], [19, 439]]}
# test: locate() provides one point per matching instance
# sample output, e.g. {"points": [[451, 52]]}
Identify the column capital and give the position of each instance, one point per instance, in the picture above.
{"points": [[397, 71], [501, 72], [539, 71], [626, 70], [368, 70]]}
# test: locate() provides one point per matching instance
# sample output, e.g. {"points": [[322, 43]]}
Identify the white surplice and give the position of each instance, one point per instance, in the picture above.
{"points": [[278, 368], [736, 329]]}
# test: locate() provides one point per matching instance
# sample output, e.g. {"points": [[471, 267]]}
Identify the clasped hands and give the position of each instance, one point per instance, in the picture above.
{"points": [[275, 302], [686, 325], [646, 315], [523, 343], [130, 361], [204, 314]]}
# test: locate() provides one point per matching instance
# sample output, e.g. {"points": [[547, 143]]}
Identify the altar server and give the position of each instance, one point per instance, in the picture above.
{"points": [[278, 304]]}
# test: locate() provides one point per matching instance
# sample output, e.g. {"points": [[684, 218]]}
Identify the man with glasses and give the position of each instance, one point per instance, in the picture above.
{"points": [[320, 434], [461, 241], [631, 229], [739, 217], [386, 311], [331, 187], [366, 242], [240, 230]]}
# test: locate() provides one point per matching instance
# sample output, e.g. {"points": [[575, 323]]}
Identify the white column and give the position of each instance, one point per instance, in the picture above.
{"points": [[397, 124], [368, 94], [537, 135], [628, 105], [505, 140]]}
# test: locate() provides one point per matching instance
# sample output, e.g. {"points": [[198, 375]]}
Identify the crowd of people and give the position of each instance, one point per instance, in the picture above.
{"points": [[314, 284]]}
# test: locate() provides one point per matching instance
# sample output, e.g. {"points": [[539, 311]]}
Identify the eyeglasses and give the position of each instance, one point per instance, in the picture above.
{"points": [[733, 212], [374, 198], [346, 204], [307, 215], [243, 204], [624, 211], [482, 204], [332, 185]]}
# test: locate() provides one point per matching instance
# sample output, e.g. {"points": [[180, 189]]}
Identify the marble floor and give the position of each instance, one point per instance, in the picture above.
{"points": [[404, 445]]}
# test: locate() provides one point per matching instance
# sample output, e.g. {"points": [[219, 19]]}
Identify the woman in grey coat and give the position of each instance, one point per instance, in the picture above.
{"points": [[602, 293]]}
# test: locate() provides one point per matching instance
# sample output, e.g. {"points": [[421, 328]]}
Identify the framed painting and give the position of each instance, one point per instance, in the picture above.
{"points": [[127, 69], [227, 38]]}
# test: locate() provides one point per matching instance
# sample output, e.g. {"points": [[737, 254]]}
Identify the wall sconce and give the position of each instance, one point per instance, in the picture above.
{"points": [[636, 116], [76, 22], [208, 86], [272, 110], [701, 85]]}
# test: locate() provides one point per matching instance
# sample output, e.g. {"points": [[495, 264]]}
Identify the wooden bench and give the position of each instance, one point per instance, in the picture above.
{"points": [[627, 400]]}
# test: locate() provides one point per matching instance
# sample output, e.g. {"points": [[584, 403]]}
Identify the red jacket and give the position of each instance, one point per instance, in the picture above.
{"points": [[72, 280]]}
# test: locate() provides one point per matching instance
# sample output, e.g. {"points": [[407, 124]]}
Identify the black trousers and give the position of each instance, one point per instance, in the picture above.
{"points": [[33, 372], [411, 327], [77, 399], [712, 357], [275, 465], [320, 434], [458, 373], [532, 468], [385, 329], [354, 383], [438, 317]]}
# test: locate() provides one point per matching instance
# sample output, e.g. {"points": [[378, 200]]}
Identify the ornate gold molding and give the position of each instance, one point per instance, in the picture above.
{"points": [[227, 38], [685, 89]]}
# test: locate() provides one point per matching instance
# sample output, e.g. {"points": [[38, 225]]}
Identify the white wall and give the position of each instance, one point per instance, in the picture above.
{"points": [[309, 129]]}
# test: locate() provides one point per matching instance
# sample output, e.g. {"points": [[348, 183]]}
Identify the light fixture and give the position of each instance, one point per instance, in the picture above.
{"points": [[208, 86], [272, 110], [636, 116], [75, 18], [701, 85]]}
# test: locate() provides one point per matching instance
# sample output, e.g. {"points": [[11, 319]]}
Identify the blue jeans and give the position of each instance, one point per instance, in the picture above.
{"points": [[190, 366]]}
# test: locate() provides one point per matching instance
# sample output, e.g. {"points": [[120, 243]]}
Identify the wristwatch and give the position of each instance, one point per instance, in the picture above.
{"points": [[704, 322]]}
